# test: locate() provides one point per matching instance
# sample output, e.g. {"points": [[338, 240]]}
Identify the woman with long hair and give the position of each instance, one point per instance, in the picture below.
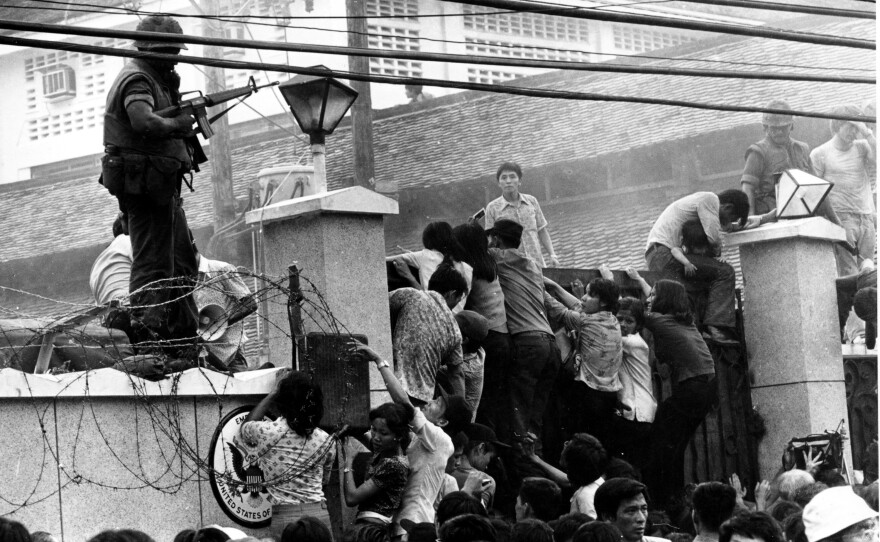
{"points": [[379, 496], [440, 248], [294, 454], [678, 343], [487, 300]]}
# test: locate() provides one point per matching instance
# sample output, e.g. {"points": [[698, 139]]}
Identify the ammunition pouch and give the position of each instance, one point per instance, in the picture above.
{"points": [[157, 177]]}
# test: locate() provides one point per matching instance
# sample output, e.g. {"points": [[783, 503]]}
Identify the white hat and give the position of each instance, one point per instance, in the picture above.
{"points": [[832, 511]]}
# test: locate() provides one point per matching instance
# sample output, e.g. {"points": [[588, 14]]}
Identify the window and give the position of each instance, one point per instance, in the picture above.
{"points": [[391, 38], [639, 40], [509, 49], [478, 75], [64, 123], [233, 31], [533, 25], [399, 9], [59, 83]]}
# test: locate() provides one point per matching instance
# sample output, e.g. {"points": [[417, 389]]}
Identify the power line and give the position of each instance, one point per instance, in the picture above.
{"points": [[628, 18], [394, 80], [498, 44], [422, 56], [794, 8]]}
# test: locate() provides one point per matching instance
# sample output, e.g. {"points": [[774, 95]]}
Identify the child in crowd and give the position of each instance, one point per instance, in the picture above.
{"points": [[439, 245], [678, 343], [473, 328], [636, 397], [479, 451], [593, 398], [379, 496]]}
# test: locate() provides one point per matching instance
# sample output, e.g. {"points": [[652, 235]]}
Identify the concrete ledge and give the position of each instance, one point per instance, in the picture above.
{"points": [[113, 383], [355, 200], [812, 228]]}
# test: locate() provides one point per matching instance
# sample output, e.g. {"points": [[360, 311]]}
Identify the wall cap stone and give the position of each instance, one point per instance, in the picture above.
{"points": [[809, 228], [352, 200]]}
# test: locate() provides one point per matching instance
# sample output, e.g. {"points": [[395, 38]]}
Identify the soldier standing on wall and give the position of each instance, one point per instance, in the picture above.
{"points": [[146, 159]]}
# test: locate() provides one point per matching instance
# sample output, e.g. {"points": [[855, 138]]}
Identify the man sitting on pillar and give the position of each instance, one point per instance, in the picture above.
{"points": [[727, 211]]}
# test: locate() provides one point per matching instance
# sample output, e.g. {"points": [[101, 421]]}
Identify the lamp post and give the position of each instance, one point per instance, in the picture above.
{"points": [[318, 104]]}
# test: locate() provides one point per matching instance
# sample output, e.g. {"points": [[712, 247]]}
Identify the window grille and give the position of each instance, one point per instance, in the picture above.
{"points": [[512, 50], [391, 38], [479, 75], [640, 40], [400, 9], [534, 25], [65, 123]]}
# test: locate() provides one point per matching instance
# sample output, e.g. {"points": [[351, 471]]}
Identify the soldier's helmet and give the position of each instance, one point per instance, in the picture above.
{"points": [[777, 119], [159, 23]]}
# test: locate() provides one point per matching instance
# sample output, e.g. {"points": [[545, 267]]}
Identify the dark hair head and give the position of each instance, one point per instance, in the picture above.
{"points": [[532, 530], [306, 529], [471, 238], [502, 529], [597, 531], [42, 536], [459, 503], [397, 417], [438, 236], [565, 527], [794, 529], [713, 503], [671, 298], [618, 468], [509, 166], [606, 291], [740, 203], [781, 509], [13, 531], [751, 525], [366, 532], [865, 303], [830, 477], [542, 495], [185, 535], [613, 492], [635, 307], [301, 402], [447, 279], [869, 493], [467, 528], [459, 440], [804, 494], [585, 459], [119, 227], [112, 535], [693, 236]]}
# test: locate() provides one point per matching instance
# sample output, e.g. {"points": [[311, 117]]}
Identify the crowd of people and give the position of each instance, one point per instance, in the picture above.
{"points": [[521, 410]]}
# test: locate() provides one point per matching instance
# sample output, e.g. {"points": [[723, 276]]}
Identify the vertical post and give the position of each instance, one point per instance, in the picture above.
{"points": [[362, 110], [221, 164], [320, 167]]}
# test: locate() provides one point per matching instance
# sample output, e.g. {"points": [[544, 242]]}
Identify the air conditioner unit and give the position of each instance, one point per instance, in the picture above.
{"points": [[59, 83]]}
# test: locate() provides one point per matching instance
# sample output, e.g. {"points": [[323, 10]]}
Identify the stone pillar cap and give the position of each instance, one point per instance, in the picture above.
{"points": [[810, 228], [353, 200]]}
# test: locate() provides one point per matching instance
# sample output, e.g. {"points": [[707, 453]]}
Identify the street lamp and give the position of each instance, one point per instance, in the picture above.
{"points": [[318, 104]]}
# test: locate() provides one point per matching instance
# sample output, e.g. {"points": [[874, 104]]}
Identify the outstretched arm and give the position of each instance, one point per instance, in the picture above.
{"points": [[391, 383], [559, 293], [633, 274]]}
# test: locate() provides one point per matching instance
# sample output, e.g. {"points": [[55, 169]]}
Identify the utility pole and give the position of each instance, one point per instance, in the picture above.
{"points": [[221, 162], [362, 110]]}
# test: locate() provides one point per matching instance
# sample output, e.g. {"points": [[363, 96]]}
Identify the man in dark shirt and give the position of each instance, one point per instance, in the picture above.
{"points": [[146, 158], [536, 359]]}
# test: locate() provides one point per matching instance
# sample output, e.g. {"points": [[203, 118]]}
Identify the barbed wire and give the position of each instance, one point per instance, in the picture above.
{"points": [[165, 453]]}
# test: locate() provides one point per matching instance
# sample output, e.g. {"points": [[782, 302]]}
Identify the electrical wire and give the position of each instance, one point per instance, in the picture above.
{"points": [[794, 8], [431, 57], [395, 80], [498, 44], [650, 20]]}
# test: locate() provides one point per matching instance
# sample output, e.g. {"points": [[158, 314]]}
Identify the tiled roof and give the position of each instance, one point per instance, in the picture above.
{"points": [[464, 136]]}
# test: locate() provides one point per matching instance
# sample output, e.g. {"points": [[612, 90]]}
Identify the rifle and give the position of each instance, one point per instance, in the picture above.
{"points": [[197, 107]]}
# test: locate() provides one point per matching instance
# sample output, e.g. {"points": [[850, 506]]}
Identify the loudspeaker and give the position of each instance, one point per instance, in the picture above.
{"points": [[344, 379], [212, 322]]}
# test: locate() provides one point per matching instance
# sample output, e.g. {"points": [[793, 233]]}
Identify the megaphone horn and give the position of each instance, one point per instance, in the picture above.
{"points": [[212, 322]]}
